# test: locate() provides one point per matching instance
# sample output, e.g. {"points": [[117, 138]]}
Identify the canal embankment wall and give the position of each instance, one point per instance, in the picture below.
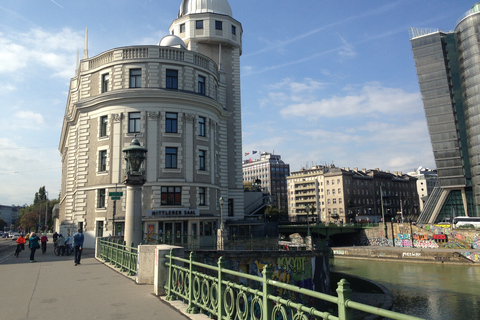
{"points": [[414, 255]]}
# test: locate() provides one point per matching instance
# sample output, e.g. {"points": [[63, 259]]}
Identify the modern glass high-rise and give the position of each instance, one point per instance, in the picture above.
{"points": [[448, 69]]}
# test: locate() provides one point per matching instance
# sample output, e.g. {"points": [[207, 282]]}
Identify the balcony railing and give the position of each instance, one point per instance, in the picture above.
{"points": [[150, 52]]}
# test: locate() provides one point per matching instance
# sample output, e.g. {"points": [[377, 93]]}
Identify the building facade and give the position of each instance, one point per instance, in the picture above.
{"points": [[332, 194], [447, 66], [272, 173], [181, 100], [9, 214], [427, 180]]}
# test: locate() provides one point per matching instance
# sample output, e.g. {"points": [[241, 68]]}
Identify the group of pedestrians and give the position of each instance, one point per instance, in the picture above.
{"points": [[34, 243]]}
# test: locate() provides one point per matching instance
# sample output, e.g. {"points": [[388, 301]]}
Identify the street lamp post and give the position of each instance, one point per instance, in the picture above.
{"points": [[307, 208], [221, 232], [134, 179], [221, 201]]}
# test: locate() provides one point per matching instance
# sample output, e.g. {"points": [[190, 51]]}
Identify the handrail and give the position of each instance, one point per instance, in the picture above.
{"points": [[218, 291], [119, 255]]}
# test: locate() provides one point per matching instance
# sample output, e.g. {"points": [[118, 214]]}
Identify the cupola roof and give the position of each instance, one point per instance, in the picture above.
{"points": [[202, 6]]}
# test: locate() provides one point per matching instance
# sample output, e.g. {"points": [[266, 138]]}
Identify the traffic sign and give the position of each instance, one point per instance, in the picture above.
{"points": [[115, 198], [115, 194]]}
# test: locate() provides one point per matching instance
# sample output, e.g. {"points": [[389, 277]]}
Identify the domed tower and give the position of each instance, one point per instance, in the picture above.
{"points": [[208, 27]]}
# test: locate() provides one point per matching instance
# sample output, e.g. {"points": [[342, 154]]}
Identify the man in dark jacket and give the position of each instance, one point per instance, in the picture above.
{"points": [[78, 245]]}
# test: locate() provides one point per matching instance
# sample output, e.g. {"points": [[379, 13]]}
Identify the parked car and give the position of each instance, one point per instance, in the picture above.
{"points": [[5, 235], [15, 236]]}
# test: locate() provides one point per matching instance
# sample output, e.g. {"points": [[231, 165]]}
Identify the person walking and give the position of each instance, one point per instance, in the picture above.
{"points": [[55, 237], [44, 241], [78, 245], [60, 244], [20, 245], [34, 245]]}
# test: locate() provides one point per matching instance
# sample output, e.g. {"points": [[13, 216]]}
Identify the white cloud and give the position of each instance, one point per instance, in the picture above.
{"points": [[6, 88], [347, 50], [29, 116], [370, 100], [55, 51]]}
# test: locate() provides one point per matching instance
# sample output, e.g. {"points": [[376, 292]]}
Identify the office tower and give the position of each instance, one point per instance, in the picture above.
{"points": [[448, 65]]}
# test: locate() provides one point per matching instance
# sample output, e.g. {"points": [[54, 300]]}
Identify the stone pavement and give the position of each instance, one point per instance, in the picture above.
{"points": [[53, 288]]}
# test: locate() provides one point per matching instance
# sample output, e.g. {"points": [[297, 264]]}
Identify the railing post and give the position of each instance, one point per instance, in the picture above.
{"points": [[191, 308], [170, 296], [344, 292], [220, 289], [267, 306]]}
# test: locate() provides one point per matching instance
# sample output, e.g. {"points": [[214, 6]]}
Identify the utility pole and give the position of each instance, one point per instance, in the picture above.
{"points": [[383, 213], [46, 209]]}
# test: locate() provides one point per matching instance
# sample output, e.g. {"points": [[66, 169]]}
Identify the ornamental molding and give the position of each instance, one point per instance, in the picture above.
{"points": [[117, 117], [189, 117], [152, 115]]}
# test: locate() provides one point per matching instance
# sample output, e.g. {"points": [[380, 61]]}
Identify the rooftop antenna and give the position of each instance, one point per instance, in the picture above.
{"points": [[85, 48], [76, 65]]}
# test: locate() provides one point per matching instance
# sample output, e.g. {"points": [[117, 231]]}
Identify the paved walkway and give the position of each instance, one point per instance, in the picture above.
{"points": [[53, 288]]}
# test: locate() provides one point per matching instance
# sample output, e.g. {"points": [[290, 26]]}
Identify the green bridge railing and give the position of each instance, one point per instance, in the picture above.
{"points": [[218, 292], [118, 254]]}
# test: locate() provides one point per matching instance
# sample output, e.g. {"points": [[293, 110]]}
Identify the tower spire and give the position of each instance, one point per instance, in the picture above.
{"points": [[85, 48]]}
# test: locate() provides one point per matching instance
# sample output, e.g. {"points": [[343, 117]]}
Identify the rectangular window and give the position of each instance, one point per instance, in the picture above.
{"points": [[172, 79], [182, 28], [201, 159], [135, 78], [218, 25], [201, 195], [134, 122], [201, 127], [103, 126], [171, 122], [201, 84], [101, 198], [105, 79], [102, 161], [234, 30], [171, 196], [170, 158], [199, 24]]}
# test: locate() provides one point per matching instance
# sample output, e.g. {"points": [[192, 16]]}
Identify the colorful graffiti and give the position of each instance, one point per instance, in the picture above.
{"points": [[294, 271], [472, 256], [382, 242]]}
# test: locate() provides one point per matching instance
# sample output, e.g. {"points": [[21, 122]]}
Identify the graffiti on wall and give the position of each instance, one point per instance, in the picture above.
{"points": [[295, 271], [472, 256]]}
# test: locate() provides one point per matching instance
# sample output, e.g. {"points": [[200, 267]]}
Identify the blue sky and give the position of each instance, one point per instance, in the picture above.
{"points": [[322, 81]]}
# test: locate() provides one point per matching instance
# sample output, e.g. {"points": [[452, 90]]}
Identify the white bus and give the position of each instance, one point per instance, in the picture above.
{"points": [[466, 221]]}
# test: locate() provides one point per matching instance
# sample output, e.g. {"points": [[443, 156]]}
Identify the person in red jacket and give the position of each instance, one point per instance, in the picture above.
{"points": [[20, 245], [44, 240]]}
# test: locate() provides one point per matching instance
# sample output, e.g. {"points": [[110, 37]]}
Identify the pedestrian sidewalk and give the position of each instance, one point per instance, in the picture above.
{"points": [[53, 288]]}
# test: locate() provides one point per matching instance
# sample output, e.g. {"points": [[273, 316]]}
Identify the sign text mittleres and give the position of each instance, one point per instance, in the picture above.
{"points": [[172, 212]]}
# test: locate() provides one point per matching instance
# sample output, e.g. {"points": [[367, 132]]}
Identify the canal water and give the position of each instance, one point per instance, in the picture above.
{"points": [[429, 291]]}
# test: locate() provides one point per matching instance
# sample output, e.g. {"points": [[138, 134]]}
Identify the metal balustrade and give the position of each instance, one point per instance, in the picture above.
{"points": [[218, 292], [118, 254]]}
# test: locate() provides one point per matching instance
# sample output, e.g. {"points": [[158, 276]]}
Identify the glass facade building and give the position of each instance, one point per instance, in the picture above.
{"points": [[448, 69]]}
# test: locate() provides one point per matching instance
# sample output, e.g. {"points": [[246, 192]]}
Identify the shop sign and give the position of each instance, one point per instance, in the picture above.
{"points": [[172, 213]]}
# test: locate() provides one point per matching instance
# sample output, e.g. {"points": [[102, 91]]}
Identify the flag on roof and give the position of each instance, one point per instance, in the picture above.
{"points": [[246, 154], [253, 152]]}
